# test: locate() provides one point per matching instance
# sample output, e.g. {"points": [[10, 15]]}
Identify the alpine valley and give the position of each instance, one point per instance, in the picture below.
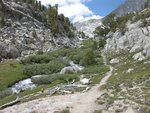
{"points": [[50, 65]]}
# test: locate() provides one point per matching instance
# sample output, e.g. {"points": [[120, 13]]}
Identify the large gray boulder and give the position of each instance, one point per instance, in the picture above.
{"points": [[146, 50], [73, 68], [3, 52], [12, 52], [68, 69], [8, 51]]}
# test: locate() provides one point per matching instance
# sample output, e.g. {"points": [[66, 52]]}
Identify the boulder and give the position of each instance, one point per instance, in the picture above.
{"points": [[135, 48], [114, 61], [146, 50], [85, 81], [8, 51], [139, 56], [73, 68], [68, 69], [3, 52], [130, 70], [13, 52]]}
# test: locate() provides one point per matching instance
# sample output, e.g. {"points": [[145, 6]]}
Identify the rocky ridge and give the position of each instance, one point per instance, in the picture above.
{"points": [[131, 6]]}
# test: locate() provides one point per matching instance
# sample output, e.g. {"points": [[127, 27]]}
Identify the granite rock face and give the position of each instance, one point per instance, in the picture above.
{"points": [[88, 26], [27, 34], [135, 39]]}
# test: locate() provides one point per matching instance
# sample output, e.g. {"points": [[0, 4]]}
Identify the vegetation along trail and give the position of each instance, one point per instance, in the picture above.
{"points": [[76, 103]]}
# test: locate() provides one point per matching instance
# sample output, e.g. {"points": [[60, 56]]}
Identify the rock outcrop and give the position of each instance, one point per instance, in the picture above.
{"points": [[135, 39], [26, 34]]}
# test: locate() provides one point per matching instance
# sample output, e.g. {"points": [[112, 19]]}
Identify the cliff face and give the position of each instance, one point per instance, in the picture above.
{"points": [[131, 6], [22, 32], [136, 38]]}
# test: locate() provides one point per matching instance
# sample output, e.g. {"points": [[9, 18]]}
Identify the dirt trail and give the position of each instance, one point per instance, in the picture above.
{"points": [[78, 102]]}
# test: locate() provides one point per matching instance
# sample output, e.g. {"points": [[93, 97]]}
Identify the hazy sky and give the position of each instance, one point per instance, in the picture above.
{"points": [[80, 10]]}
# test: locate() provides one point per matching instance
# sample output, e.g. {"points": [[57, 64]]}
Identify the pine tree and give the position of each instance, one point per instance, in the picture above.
{"points": [[40, 6]]}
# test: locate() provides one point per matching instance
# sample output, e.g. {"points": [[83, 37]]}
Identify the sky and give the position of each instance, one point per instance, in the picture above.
{"points": [[81, 10]]}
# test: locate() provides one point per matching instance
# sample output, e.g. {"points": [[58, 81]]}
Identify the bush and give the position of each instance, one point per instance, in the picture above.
{"points": [[88, 59], [5, 93], [144, 23], [47, 79], [65, 111], [52, 67], [76, 59], [95, 69], [98, 111], [37, 59], [99, 31], [101, 42]]}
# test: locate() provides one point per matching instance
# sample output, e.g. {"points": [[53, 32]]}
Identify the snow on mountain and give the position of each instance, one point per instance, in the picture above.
{"points": [[88, 26]]}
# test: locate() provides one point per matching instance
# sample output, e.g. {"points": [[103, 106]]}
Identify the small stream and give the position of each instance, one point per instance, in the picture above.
{"points": [[27, 84], [23, 85]]}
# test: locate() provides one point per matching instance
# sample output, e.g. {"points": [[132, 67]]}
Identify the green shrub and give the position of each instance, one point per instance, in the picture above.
{"points": [[65, 111], [76, 59], [5, 93], [37, 59], [54, 66], [145, 23], [95, 69], [88, 59], [97, 111], [99, 31], [47, 79], [101, 42]]}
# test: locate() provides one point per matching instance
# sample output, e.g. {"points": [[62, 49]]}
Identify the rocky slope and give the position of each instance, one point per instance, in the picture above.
{"points": [[131, 6], [128, 50], [23, 34], [135, 39], [88, 26]]}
